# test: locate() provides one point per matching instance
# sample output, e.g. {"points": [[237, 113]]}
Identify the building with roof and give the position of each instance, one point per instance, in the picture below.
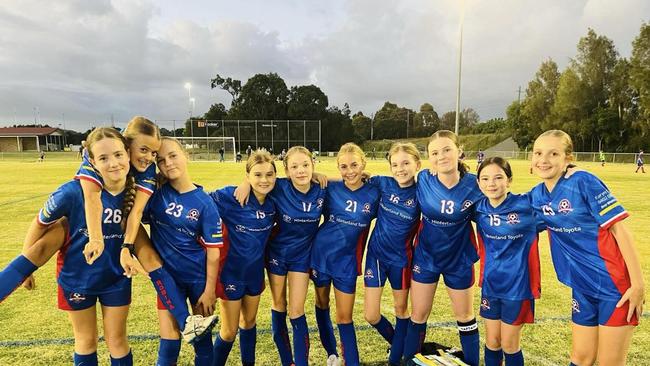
{"points": [[17, 139]]}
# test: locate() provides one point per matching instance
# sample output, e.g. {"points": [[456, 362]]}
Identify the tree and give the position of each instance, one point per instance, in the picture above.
{"points": [[540, 97], [595, 64], [263, 97], [640, 79], [336, 128], [426, 121], [522, 132], [216, 112], [570, 111], [392, 121], [307, 102], [361, 126], [230, 85]]}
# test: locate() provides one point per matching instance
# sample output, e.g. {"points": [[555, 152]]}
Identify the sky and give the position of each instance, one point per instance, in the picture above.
{"points": [[83, 63]]}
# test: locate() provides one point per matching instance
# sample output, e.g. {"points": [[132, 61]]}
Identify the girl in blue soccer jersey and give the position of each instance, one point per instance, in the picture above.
{"points": [[445, 244], [186, 231], [82, 285], [241, 278], [299, 203], [338, 248], [510, 275], [143, 139], [390, 246], [592, 250]]}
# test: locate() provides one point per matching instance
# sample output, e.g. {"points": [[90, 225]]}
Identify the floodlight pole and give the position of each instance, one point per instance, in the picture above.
{"points": [[460, 62]]}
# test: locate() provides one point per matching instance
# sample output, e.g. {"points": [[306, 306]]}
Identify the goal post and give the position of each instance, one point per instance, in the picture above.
{"points": [[208, 148]]}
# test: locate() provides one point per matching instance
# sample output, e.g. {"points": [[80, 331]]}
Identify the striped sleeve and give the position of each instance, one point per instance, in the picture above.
{"points": [[604, 207], [210, 235], [87, 172]]}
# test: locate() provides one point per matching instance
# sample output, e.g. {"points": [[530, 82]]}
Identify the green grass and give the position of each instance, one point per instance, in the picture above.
{"points": [[33, 316]]}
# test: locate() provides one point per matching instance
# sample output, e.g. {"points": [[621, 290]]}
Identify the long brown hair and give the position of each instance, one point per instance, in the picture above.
{"points": [[462, 167], [99, 134]]}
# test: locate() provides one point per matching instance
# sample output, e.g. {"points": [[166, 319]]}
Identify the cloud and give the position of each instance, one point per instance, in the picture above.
{"points": [[94, 59]]}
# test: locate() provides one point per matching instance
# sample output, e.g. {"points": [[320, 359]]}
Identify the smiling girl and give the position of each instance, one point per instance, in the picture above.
{"points": [[593, 253], [338, 250]]}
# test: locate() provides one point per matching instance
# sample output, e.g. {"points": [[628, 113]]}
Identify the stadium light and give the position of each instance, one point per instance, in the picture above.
{"points": [[460, 62], [188, 86]]}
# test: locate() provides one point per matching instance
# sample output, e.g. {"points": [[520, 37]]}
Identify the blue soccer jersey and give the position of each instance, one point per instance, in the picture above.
{"points": [[298, 218], [341, 239], [144, 181], [578, 213], [246, 231], [183, 226], [74, 274], [398, 217], [445, 239], [507, 237]]}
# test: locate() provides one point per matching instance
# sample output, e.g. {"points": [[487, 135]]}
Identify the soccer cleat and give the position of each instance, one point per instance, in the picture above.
{"points": [[334, 360], [196, 326]]}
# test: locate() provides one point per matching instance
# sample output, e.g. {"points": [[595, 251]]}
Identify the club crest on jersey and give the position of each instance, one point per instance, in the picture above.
{"points": [[485, 304], [193, 215], [513, 218], [231, 287], [575, 306], [369, 274], [366, 208], [564, 206], [76, 297], [466, 205], [548, 210], [286, 218], [416, 269], [409, 203], [240, 228]]}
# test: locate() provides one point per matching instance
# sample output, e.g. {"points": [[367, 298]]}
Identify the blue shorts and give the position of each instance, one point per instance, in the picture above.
{"points": [[513, 312], [233, 290], [347, 285], [191, 291], [377, 272], [74, 300], [280, 267], [458, 279], [590, 312]]}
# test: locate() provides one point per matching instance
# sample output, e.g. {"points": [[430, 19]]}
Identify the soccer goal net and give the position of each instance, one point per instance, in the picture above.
{"points": [[210, 148]]}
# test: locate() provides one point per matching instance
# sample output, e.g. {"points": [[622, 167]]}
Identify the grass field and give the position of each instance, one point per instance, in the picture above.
{"points": [[34, 332]]}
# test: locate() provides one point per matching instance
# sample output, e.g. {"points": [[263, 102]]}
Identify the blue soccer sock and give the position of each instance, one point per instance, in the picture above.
{"points": [[14, 274], [397, 346], [123, 361], [247, 342], [469, 341], [300, 340], [349, 344], [170, 296], [221, 351], [281, 336], [326, 331], [385, 328], [168, 350], [85, 360], [203, 351], [415, 335], [514, 359], [493, 358]]}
